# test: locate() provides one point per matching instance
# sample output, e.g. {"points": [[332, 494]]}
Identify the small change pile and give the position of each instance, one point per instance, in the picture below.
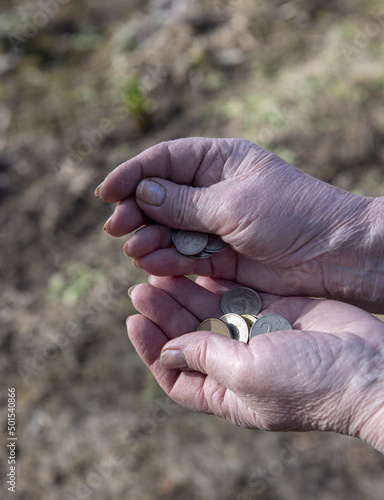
{"points": [[197, 245], [240, 305]]}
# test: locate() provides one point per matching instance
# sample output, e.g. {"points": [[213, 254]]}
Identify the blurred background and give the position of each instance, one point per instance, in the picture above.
{"points": [[88, 84]]}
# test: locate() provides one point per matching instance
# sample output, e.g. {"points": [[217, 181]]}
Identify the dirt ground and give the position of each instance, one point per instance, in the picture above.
{"points": [[87, 84]]}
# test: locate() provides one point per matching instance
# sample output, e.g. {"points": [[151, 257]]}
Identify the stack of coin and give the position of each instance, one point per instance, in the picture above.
{"points": [[241, 306], [197, 245]]}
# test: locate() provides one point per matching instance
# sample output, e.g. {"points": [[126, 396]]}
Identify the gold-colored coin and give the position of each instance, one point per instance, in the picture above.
{"points": [[216, 326], [249, 319], [237, 325]]}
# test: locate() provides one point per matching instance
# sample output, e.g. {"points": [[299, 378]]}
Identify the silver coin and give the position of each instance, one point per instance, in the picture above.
{"points": [[241, 300], [269, 323], [174, 232], [238, 326], [215, 244], [202, 255], [190, 242]]}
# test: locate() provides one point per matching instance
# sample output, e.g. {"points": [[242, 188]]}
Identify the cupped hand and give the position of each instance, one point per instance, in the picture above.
{"points": [[289, 233], [326, 374]]}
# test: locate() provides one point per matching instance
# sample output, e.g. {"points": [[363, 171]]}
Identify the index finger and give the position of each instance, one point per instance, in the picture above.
{"points": [[176, 160]]}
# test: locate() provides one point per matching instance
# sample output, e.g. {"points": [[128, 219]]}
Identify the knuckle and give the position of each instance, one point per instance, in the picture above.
{"points": [[185, 205]]}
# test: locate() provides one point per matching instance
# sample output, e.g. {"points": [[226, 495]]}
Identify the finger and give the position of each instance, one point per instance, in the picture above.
{"points": [[159, 307], [181, 206], [266, 365], [207, 293], [205, 388], [148, 239], [175, 160], [212, 354], [170, 262], [216, 285], [146, 337], [148, 340], [193, 390], [126, 218], [202, 393], [201, 303]]}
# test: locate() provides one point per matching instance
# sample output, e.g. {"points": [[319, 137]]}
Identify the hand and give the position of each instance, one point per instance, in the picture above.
{"points": [[326, 374], [290, 234]]}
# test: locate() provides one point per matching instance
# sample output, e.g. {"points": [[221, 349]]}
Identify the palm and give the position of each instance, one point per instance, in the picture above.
{"points": [[279, 381]]}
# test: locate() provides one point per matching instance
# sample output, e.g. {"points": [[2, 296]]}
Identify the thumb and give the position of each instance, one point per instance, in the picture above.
{"points": [[178, 205], [209, 353]]}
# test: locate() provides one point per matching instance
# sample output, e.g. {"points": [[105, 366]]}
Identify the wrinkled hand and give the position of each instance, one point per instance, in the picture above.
{"points": [[290, 234], [326, 374]]}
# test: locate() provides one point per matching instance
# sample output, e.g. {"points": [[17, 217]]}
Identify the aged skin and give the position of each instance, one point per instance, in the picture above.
{"points": [[326, 374], [296, 234], [290, 235]]}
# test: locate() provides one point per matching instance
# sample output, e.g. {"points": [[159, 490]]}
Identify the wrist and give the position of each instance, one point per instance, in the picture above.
{"points": [[354, 267], [373, 431], [373, 250], [367, 396]]}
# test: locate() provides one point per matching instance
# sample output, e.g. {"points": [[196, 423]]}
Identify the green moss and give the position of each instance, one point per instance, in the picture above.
{"points": [[138, 102]]}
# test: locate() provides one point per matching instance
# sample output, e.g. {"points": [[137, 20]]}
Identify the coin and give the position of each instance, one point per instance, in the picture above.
{"points": [[241, 300], [147, 218], [197, 245], [269, 323], [249, 319], [215, 244], [215, 325], [202, 255], [174, 232], [190, 242], [238, 326]]}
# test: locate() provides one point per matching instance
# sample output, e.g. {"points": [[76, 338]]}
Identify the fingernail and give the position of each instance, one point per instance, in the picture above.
{"points": [[151, 192], [173, 359], [97, 190], [135, 263], [107, 223], [127, 324], [130, 290]]}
